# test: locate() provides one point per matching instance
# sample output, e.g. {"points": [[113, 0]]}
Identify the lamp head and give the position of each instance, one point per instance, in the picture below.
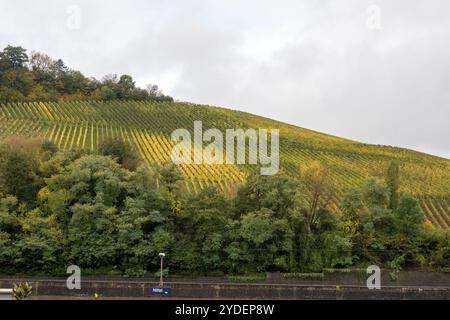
{"points": [[162, 255]]}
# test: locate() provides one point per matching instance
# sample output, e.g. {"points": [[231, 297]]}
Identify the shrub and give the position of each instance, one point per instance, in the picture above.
{"points": [[22, 291], [303, 276], [248, 278]]}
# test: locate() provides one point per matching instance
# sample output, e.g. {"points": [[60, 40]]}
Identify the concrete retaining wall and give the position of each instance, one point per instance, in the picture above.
{"points": [[54, 287], [405, 278]]}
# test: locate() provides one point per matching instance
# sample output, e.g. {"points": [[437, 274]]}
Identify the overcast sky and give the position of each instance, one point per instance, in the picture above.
{"points": [[373, 71]]}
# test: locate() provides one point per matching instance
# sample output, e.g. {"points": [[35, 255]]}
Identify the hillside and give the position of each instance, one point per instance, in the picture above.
{"points": [[148, 125]]}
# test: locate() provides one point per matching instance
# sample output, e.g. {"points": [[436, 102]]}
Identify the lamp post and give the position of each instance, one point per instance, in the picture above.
{"points": [[161, 283]]}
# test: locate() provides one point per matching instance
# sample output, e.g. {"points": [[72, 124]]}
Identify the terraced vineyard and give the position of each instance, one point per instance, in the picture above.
{"points": [[148, 127]]}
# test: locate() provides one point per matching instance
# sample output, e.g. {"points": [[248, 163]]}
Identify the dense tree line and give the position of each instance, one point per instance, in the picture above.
{"points": [[41, 78], [106, 212]]}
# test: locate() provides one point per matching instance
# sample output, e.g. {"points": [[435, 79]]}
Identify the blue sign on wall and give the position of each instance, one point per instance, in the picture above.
{"points": [[161, 291]]}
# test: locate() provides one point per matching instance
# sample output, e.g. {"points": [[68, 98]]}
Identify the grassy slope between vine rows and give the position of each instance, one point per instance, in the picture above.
{"points": [[148, 126]]}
